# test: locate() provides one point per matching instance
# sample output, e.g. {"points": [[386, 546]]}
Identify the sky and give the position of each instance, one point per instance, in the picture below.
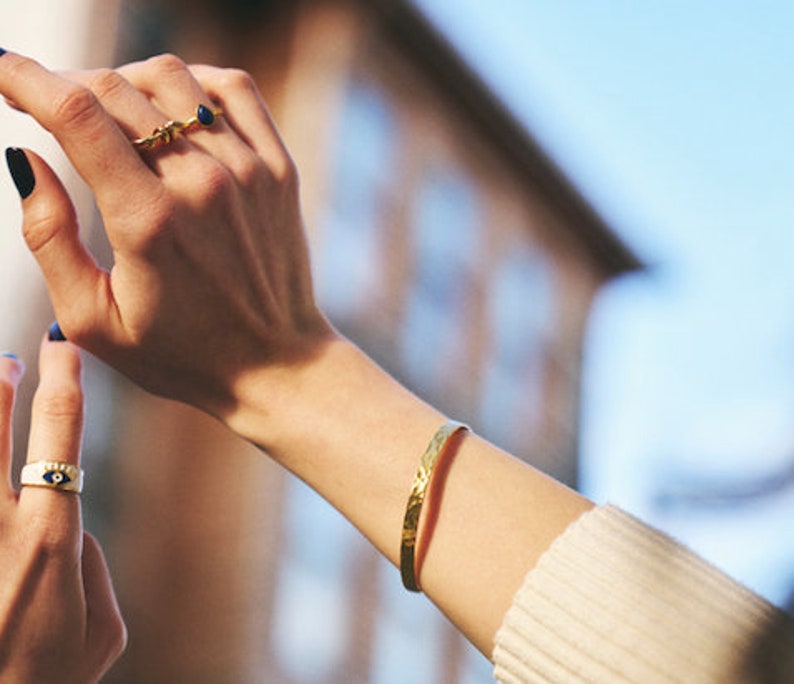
{"points": [[675, 120]]}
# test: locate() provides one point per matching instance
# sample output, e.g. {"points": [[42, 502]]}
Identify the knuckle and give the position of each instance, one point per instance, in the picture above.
{"points": [[42, 224], [61, 403], [284, 170], [238, 79], [38, 232], [166, 64], [282, 174], [20, 68], [250, 171], [104, 83], [75, 107], [215, 183]]}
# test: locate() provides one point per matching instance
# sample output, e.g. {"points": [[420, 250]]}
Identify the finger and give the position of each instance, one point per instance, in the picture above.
{"points": [[246, 112], [136, 115], [94, 143], [77, 286], [106, 635], [174, 90], [56, 432], [11, 371]]}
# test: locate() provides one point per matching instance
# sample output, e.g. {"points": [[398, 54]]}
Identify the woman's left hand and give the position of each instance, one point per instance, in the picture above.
{"points": [[209, 299], [59, 620]]}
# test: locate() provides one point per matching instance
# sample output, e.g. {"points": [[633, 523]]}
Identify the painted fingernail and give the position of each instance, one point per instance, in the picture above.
{"points": [[2, 52], [21, 173], [14, 357], [55, 334]]}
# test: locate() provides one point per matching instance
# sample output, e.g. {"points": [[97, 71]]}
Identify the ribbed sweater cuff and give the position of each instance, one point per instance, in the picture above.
{"points": [[614, 601]]}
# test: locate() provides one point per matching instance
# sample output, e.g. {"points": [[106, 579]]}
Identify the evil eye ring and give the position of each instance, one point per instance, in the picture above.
{"points": [[64, 477]]}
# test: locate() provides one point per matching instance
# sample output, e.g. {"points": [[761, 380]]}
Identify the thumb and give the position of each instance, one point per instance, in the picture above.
{"points": [[51, 232]]}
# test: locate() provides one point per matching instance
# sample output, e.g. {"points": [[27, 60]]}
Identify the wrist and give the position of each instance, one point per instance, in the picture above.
{"points": [[267, 399], [347, 428], [335, 387]]}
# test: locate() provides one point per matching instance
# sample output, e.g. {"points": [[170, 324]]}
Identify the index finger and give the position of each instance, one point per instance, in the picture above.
{"points": [[92, 140]]}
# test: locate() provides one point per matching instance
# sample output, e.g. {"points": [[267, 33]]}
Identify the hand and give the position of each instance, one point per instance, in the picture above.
{"points": [[211, 275], [59, 621], [210, 301]]}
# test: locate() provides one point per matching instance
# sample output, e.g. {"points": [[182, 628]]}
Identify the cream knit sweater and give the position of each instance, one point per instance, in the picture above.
{"points": [[615, 601]]}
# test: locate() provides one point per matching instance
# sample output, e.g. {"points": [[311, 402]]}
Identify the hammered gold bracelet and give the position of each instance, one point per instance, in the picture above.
{"points": [[417, 499]]}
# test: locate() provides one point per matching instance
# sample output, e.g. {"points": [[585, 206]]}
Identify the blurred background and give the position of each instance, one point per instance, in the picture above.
{"points": [[567, 224]]}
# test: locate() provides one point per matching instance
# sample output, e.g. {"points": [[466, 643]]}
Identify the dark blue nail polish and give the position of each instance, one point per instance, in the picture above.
{"points": [[2, 52], [21, 173], [55, 334], [15, 358]]}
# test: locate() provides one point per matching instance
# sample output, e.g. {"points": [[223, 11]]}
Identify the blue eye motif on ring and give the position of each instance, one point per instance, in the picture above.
{"points": [[56, 477]]}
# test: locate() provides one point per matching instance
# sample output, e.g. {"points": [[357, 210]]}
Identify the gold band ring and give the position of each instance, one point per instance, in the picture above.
{"points": [[162, 135], [64, 477]]}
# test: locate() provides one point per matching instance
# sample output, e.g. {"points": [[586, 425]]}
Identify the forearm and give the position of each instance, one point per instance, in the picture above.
{"points": [[210, 302], [355, 435]]}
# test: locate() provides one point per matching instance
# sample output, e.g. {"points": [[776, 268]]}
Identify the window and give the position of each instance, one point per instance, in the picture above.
{"points": [[349, 250], [313, 582], [520, 310], [445, 247], [407, 621]]}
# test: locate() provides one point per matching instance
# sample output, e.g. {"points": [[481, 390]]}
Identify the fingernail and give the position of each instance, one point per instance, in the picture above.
{"points": [[55, 334], [14, 357], [2, 52], [22, 174]]}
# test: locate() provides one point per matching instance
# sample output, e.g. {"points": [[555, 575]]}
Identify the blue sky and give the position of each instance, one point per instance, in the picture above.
{"points": [[676, 120]]}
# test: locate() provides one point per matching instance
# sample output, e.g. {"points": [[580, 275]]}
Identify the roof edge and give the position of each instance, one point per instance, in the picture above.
{"points": [[454, 76]]}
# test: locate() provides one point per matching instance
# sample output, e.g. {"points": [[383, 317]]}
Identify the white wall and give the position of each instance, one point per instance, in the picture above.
{"points": [[62, 34]]}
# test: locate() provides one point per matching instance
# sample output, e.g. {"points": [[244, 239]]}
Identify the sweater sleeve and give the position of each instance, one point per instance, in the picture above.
{"points": [[614, 601]]}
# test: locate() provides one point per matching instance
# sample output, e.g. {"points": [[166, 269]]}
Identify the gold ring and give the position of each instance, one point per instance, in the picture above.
{"points": [[162, 135], [64, 477]]}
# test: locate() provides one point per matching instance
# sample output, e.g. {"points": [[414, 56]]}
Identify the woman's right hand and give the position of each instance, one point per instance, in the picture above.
{"points": [[211, 276], [210, 301]]}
